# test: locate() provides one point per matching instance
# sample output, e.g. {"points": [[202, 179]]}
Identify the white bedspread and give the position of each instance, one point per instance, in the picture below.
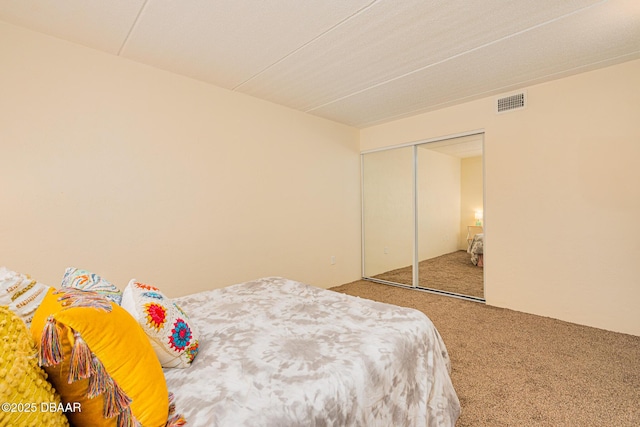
{"points": [[275, 352]]}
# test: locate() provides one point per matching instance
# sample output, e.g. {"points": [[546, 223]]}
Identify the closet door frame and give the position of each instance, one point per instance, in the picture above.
{"points": [[415, 249]]}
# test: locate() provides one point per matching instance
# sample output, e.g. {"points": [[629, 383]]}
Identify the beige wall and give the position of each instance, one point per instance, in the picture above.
{"points": [[134, 172], [562, 197], [471, 195], [130, 171]]}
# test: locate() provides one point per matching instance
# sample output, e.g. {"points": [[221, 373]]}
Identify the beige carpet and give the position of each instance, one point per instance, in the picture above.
{"points": [[452, 272], [516, 369]]}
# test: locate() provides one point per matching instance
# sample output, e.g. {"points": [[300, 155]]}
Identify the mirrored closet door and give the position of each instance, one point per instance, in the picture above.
{"points": [[439, 244], [388, 206]]}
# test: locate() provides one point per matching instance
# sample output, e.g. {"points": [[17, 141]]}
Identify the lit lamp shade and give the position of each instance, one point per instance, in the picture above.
{"points": [[478, 217]]}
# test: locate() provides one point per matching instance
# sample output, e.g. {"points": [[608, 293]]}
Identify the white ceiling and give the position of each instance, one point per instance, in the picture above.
{"points": [[359, 62]]}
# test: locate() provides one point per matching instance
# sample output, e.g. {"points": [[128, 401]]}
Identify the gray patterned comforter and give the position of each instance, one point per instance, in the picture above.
{"points": [[476, 248], [278, 353]]}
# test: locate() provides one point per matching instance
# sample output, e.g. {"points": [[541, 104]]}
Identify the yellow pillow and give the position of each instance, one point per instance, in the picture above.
{"points": [[91, 345], [25, 394]]}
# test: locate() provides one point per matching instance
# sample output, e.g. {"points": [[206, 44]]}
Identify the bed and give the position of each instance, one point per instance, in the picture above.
{"points": [[476, 250], [275, 352]]}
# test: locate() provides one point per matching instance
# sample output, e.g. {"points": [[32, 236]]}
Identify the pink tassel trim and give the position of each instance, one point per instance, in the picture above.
{"points": [[50, 351]]}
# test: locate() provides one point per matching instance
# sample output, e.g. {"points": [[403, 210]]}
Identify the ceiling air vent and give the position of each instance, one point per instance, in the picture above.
{"points": [[517, 101]]}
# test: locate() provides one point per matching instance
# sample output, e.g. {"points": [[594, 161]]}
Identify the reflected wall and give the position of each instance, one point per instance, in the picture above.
{"points": [[438, 213]]}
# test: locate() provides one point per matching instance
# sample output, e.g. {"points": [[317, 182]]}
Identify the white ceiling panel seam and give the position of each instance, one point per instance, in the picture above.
{"points": [[342, 22], [485, 45], [133, 27]]}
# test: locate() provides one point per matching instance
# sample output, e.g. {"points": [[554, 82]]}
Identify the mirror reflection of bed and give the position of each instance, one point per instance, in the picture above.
{"points": [[475, 241], [423, 206]]}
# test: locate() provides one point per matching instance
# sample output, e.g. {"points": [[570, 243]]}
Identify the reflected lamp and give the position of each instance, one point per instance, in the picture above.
{"points": [[478, 217]]}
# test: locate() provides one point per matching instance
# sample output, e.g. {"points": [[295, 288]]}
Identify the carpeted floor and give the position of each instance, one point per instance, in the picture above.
{"points": [[453, 272], [516, 369]]}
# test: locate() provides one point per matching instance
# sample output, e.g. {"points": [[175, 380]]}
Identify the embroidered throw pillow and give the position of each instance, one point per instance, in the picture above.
{"points": [[169, 329], [21, 293], [88, 281], [96, 354], [24, 388]]}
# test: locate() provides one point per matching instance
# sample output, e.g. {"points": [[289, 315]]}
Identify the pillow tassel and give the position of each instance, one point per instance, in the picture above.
{"points": [[176, 420], [98, 379], [50, 351], [120, 399], [81, 358], [108, 407], [78, 298], [126, 419], [172, 403], [115, 399]]}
